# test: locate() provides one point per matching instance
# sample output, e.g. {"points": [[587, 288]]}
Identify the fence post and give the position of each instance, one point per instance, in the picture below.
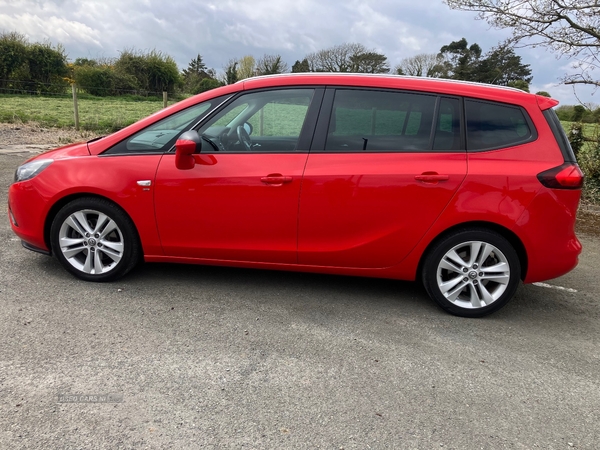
{"points": [[75, 107], [164, 99]]}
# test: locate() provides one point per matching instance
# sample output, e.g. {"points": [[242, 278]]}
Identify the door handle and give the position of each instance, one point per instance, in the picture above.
{"points": [[276, 179], [431, 177]]}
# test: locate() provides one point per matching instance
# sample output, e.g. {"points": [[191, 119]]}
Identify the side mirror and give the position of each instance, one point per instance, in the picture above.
{"points": [[185, 147]]}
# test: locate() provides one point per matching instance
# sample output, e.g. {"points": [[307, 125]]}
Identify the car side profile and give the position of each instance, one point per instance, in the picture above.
{"points": [[469, 188]]}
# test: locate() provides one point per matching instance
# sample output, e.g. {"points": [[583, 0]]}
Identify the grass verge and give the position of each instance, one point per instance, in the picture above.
{"points": [[103, 114]]}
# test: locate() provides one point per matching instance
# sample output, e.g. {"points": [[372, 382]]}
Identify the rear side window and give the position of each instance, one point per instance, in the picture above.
{"points": [[364, 120], [494, 125]]}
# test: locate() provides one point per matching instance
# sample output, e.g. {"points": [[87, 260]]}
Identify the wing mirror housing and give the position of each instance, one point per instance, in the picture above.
{"points": [[186, 146]]}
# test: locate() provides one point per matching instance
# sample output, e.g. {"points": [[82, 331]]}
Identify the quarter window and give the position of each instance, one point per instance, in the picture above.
{"points": [[380, 121], [493, 125], [161, 136]]}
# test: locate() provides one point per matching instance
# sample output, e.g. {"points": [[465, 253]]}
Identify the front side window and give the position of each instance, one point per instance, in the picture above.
{"points": [[380, 121], [259, 121], [161, 136], [494, 125]]}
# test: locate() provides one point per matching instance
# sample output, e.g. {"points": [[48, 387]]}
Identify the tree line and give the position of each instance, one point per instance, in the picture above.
{"points": [[44, 68]]}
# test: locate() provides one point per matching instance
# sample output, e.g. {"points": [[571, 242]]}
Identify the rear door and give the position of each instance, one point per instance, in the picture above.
{"points": [[382, 167]]}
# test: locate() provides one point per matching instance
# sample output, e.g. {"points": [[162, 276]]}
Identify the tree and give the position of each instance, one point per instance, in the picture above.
{"points": [[347, 57], [502, 66], [231, 72], [46, 67], [246, 67], [570, 28], [422, 65], [460, 61], [301, 66], [271, 65], [153, 71], [196, 69], [195, 75], [369, 62], [13, 54]]}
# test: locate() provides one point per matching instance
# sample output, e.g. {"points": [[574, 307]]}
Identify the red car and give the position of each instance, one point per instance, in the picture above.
{"points": [[468, 187]]}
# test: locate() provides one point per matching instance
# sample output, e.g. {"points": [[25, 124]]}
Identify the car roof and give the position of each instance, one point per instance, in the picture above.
{"points": [[388, 81]]}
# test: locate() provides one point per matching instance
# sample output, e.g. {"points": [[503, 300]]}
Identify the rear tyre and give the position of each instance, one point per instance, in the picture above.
{"points": [[94, 240], [472, 272]]}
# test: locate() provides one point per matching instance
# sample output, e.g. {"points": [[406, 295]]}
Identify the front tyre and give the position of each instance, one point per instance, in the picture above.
{"points": [[94, 240], [472, 273]]}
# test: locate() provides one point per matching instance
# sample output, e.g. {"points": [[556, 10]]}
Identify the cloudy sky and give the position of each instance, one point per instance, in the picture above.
{"points": [[223, 29]]}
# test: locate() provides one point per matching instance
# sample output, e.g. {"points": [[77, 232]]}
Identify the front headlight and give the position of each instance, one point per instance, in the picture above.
{"points": [[29, 170]]}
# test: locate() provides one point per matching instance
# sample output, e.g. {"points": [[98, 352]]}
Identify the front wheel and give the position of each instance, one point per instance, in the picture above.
{"points": [[94, 240], [472, 273]]}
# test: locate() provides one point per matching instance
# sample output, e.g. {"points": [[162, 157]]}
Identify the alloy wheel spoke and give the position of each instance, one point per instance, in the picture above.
{"points": [[484, 254], [69, 242], [475, 247], [475, 300], [81, 218], [112, 254], [88, 267], [450, 284], [501, 267], [450, 265], [75, 225], [454, 293], [110, 227], [97, 262], [497, 278], [487, 296], [453, 256], [102, 219], [74, 251]]}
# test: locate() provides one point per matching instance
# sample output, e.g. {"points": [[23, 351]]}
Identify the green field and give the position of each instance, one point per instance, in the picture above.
{"points": [[95, 113]]}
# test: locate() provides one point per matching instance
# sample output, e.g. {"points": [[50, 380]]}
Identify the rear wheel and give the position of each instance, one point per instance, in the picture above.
{"points": [[472, 273], [94, 240]]}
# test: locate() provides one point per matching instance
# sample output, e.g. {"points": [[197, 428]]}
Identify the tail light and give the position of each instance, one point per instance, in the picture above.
{"points": [[566, 176]]}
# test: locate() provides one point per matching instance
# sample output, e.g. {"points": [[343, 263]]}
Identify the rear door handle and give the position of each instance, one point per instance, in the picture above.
{"points": [[276, 179], [431, 177]]}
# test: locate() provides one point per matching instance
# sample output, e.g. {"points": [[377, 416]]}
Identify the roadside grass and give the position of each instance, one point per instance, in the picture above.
{"points": [[103, 114]]}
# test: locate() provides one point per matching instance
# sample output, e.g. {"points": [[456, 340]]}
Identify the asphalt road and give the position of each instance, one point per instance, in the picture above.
{"points": [[227, 358]]}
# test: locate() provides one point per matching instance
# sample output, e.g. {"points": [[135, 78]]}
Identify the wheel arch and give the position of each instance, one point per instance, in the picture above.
{"points": [[509, 235], [56, 207]]}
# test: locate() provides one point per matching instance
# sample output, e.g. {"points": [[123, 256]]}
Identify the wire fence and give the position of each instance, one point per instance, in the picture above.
{"points": [[29, 87], [77, 108]]}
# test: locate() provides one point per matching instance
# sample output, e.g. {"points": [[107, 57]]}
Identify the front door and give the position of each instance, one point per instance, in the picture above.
{"points": [[240, 201]]}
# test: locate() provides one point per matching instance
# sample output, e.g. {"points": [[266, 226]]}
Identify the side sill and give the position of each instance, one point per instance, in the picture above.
{"points": [[36, 249]]}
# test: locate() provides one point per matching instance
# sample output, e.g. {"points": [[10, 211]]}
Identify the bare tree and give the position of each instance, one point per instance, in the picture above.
{"points": [[422, 65], [335, 59], [570, 28], [270, 65]]}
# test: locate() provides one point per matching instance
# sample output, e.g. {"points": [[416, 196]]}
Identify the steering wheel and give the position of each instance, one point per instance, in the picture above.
{"points": [[244, 138]]}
